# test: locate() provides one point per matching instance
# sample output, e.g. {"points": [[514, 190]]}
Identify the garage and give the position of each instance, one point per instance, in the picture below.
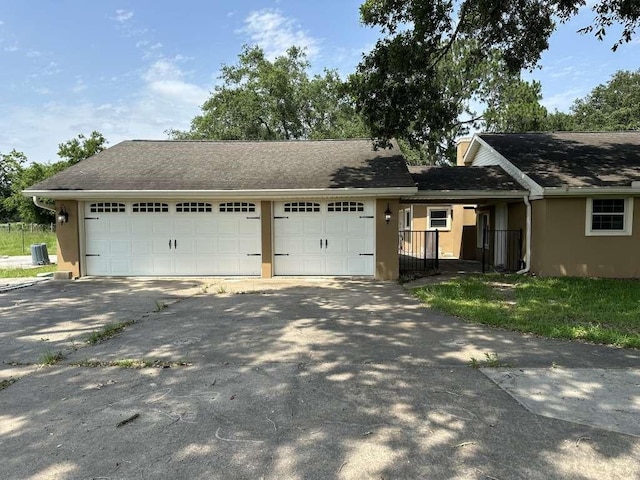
{"points": [[172, 238], [324, 237]]}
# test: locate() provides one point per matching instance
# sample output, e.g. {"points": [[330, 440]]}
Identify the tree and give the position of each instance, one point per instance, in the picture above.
{"points": [[10, 169], [614, 105], [261, 99], [515, 108], [436, 57], [24, 207], [77, 149]]}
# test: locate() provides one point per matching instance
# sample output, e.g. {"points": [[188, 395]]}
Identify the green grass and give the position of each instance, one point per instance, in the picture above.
{"points": [[51, 358], [108, 331], [14, 272], [17, 242], [595, 310]]}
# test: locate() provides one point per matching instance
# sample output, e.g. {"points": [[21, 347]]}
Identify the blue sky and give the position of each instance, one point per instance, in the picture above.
{"points": [[135, 68]]}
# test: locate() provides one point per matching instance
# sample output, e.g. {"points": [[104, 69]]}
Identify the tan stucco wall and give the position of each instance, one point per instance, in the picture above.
{"points": [[266, 209], [461, 149], [450, 241], [560, 246], [387, 262], [517, 220], [69, 239]]}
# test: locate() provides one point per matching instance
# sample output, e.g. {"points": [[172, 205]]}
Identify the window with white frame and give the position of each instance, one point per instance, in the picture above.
{"points": [[609, 216], [439, 218]]}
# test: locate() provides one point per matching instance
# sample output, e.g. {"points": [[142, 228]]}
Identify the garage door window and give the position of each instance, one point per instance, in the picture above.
{"points": [[236, 207], [194, 207], [301, 207], [107, 207], [150, 207], [345, 207]]}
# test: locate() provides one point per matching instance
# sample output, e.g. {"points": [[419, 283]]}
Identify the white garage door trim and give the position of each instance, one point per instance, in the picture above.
{"points": [[158, 238], [334, 237]]}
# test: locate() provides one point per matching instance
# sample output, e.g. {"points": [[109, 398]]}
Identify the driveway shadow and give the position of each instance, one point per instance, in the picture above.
{"points": [[341, 380]]}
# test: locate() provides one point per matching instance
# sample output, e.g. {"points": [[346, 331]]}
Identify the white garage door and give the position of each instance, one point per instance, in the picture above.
{"points": [[324, 238], [165, 238]]}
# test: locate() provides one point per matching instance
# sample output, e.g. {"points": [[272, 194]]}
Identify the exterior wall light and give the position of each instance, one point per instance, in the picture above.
{"points": [[387, 214], [63, 216]]}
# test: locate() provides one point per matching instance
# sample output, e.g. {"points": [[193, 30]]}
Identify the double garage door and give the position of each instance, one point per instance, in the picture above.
{"points": [[224, 238], [165, 238]]}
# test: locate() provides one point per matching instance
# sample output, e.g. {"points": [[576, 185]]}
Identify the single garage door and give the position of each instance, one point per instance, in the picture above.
{"points": [[324, 238], [172, 238]]}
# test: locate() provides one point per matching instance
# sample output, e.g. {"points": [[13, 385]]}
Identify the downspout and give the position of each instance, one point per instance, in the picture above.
{"points": [[527, 255], [42, 205]]}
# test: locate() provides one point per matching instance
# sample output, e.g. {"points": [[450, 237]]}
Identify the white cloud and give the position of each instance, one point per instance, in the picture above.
{"points": [[163, 100], [563, 100], [80, 86], [12, 48], [123, 15], [275, 33], [34, 53]]}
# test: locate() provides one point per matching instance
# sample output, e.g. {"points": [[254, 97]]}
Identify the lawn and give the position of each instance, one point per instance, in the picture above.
{"points": [[15, 272], [18, 242], [595, 310]]}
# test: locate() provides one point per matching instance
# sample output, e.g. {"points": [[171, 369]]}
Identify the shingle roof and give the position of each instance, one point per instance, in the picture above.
{"points": [[463, 178], [235, 165], [573, 159]]}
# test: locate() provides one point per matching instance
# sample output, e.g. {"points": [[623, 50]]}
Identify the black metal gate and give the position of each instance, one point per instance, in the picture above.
{"points": [[418, 250], [502, 250]]}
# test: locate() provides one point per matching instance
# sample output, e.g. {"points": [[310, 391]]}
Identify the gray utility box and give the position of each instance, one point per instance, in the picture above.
{"points": [[39, 254]]}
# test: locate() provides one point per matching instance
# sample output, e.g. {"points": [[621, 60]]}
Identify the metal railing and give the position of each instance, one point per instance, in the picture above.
{"points": [[502, 250], [418, 250]]}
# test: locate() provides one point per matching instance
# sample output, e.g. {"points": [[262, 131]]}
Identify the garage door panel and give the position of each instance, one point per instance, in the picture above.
{"points": [[205, 239], [120, 247], [289, 226], [118, 226], [335, 226], [347, 237], [141, 225], [120, 266], [98, 247], [95, 227], [361, 265], [249, 227], [248, 245], [312, 226]]}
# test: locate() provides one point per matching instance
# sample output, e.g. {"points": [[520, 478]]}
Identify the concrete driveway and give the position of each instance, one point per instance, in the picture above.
{"points": [[297, 379]]}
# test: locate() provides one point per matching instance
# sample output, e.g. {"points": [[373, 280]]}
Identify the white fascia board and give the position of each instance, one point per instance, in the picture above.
{"points": [[517, 174], [471, 150], [588, 191], [392, 192], [469, 194]]}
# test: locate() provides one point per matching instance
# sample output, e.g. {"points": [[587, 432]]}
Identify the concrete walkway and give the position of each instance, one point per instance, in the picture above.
{"points": [[295, 379]]}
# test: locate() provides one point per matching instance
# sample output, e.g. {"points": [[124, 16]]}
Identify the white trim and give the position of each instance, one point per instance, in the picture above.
{"points": [[627, 219], [275, 194], [82, 245], [448, 209], [585, 191], [468, 194]]}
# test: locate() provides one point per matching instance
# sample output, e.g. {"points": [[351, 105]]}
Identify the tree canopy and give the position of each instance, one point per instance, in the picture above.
{"points": [[17, 174], [436, 58], [260, 99], [81, 147], [614, 105], [515, 108]]}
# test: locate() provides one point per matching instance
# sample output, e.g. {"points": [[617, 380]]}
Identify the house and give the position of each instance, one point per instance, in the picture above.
{"points": [[231, 208], [549, 203], [577, 216]]}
